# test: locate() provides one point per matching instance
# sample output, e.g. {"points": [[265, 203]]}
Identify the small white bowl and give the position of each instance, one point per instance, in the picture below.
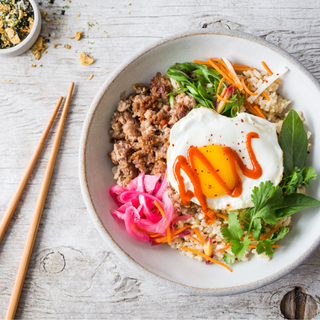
{"points": [[28, 42], [161, 263]]}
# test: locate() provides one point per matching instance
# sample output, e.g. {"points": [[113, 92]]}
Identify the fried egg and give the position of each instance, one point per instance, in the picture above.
{"points": [[213, 134]]}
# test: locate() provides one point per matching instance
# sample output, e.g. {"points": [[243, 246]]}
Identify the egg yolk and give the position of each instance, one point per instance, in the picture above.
{"points": [[211, 188]]}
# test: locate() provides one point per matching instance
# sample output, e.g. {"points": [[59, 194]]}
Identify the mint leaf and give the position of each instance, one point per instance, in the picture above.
{"points": [[280, 234], [308, 173], [293, 141], [298, 178], [234, 231], [265, 246], [294, 203], [228, 259]]}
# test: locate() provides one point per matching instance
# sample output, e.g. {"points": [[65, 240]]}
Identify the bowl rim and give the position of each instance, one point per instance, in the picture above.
{"points": [[26, 41], [89, 202]]}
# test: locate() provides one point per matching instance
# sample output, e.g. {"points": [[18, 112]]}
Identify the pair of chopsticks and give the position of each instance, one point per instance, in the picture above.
{"points": [[27, 251]]}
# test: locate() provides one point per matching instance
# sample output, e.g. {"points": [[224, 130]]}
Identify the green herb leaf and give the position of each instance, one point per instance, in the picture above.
{"points": [[298, 178], [293, 142], [265, 246], [239, 247], [293, 203], [257, 226], [228, 258], [308, 173], [234, 231], [267, 214], [280, 234]]}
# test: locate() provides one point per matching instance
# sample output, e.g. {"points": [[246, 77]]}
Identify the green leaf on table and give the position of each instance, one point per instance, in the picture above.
{"points": [[293, 141]]}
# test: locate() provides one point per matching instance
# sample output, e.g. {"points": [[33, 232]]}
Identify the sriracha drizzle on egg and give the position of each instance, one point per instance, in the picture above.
{"points": [[217, 165]]}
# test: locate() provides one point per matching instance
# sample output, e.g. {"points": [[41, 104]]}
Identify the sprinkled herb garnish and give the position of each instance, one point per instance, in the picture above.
{"points": [[16, 22]]}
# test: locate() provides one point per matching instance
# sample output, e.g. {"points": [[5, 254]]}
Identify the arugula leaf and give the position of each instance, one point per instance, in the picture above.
{"points": [[293, 203], [298, 178], [265, 246], [293, 142], [228, 258], [234, 232]]}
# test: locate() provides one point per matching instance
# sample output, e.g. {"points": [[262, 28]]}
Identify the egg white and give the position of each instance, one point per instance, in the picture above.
{"points": [[203, 126]]}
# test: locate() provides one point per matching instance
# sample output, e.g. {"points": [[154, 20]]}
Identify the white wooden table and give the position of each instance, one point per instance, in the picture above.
{"points": [[73, 274]]}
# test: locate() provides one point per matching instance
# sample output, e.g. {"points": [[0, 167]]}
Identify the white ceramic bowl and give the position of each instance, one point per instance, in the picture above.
{"points": [[161, 263], [30, 40]]}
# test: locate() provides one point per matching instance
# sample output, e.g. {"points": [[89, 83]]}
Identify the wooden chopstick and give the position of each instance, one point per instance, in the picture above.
{"points": [[27, 251], [17, 195]]}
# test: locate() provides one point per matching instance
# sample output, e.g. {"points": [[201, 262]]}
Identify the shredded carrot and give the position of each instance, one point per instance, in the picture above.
{"points": [[254, 246], [206, 257], [220, 96], [219, 70], [258, 112], [224, 248], [266, 95], [174, 233], [197, 232], [220, 84], [254, 109], [169, 234], [249, 105], [221, 216], [241, 68], [195, 239], [267, 234], [247, 89], [202, 62], [268, 70], [155, 235], [164, 217], [222, 93]]}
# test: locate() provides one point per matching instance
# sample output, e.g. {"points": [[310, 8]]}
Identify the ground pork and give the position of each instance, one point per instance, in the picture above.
{"points": [[140, 129]]}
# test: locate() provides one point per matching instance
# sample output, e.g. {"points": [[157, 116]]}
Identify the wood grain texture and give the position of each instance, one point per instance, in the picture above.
{"points": [[72, 273]]}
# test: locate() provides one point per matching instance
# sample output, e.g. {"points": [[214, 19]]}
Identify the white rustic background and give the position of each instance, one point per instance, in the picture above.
{"points": [[73, 274]]}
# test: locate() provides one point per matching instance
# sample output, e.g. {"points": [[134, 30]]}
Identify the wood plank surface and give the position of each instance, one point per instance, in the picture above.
{"points": [[73, 274]]}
